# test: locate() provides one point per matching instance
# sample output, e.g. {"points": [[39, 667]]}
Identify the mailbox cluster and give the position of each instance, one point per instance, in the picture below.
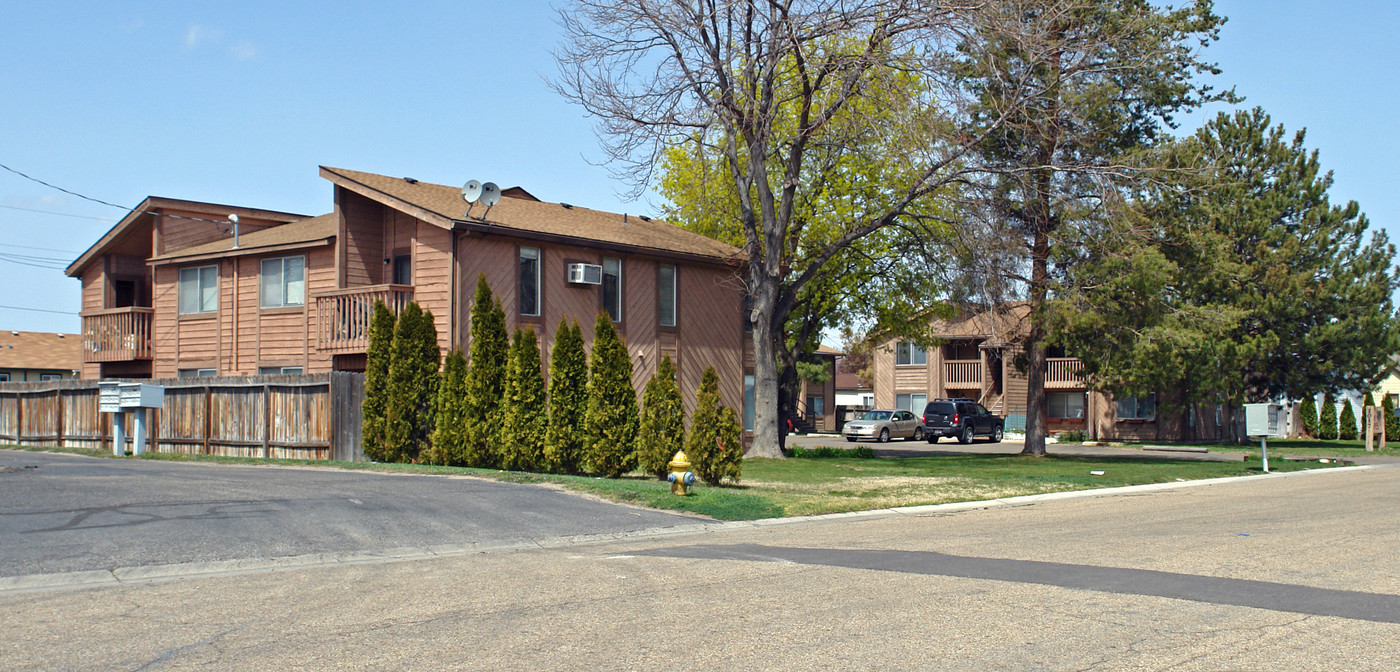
{"points": [[119, 398]]}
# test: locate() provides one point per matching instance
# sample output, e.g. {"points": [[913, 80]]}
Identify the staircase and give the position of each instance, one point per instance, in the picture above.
{"points": [[993, 402], [800, 425]]}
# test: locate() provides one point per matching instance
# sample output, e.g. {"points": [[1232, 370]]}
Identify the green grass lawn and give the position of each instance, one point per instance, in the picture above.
{"points": [[803, 486]]}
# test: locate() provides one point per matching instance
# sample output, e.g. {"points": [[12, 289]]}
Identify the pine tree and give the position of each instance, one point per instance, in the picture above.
{"points": [[1308, 413], [610, 423], [486, 376], [1392, 423], [714, 446], [413, 375], [1327, 421], [568, 400], [1347, 430], [662, 429], [377, 354], [523, 413], [450, 430]]}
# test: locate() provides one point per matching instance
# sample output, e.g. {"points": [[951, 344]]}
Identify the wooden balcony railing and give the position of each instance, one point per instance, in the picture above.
{"points": [[343, 315], [117, 334], [962, 373], [1063, 373]]}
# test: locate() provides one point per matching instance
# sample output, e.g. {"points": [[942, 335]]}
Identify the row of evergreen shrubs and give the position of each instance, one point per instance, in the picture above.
{"points": [[490, 408], [1328, 426]]}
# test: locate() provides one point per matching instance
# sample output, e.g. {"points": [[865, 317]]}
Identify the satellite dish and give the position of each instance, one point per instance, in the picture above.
{"points": [[471, 191], [490, 194]]}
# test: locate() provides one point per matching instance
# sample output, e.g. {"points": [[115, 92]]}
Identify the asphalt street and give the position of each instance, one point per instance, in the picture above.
{"points": [[1284, 572]]}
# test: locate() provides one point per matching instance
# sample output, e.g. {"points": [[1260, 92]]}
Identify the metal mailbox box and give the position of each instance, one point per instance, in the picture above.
{"points": [[1263, 419], [109, 396], [142, 395]]}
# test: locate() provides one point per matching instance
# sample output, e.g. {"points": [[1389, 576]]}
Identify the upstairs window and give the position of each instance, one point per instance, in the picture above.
{"points": [[1138, 408], [910, 353], [666, 295], [283, 282], [530, 281], [199, 290], [403, 269], [612, 288]]}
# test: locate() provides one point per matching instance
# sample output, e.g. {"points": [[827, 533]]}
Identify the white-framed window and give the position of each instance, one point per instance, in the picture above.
{"points": [[910, 353], [867, 400], [612, 288], [198, 373], [530, 281], [1138, 408], [914, 403], [748, 401], [1066, 405], [199, 290], [45, 377], [283, 282], [280, 370], [666, 295]]}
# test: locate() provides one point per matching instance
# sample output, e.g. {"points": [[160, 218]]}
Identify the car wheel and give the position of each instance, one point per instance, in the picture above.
{"points": [[996, 435], [966, 436], [918, 434], [851, 439], [884, 436], [932, 439]]}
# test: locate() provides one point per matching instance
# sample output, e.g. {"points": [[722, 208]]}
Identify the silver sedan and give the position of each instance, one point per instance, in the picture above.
{"points": [[884, 425]]}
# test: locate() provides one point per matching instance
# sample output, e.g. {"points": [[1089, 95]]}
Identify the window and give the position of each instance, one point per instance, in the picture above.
{"points": [[199, 290], [1138, 408], [908, 352], [5, 377], [666, 294], [44, 377], [279, 370], [403, 269], [1066, 405], [529, 281], [198, 373], [612, 288], [816, 406], [283, 282], [867, 400], [748, 402], [913, 403]]}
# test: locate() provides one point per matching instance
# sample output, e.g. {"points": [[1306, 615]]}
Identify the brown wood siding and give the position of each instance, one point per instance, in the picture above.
{"points": [[94, 288], [639, 318], [911, 379], [165, 336], [362, 246], [1013, 385], [177, 233], [495, 257], [432, 274], [709, 321], [320, 277], [882, 361]]}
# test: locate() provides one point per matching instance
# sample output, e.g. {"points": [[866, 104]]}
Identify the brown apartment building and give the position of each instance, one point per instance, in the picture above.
{"points": [[167, 292]]}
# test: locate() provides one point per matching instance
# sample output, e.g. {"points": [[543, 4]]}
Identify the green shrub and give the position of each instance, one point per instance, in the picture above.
{"points": [[1071, 436], [1308, 413], [662, 430], [486, 376], [714, 447], [568, 401], [827, 452], [610, 423], [413, 377], [1392, 423], [1347, 431], [523, 413], [1327, 420], [450, 430], [381, 338]]}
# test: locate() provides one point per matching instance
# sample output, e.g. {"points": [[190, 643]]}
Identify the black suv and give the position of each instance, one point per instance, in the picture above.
{"points": [[961, 418]]}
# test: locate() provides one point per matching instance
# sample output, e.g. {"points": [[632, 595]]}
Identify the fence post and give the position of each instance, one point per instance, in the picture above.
{"points": [[208, 416], [267, 421]]}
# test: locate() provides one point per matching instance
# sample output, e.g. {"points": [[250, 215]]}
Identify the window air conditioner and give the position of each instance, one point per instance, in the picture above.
{"points": [[585, 274]]}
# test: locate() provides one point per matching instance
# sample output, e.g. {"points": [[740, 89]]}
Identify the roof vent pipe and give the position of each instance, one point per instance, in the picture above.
{"points": [[234, 219]]}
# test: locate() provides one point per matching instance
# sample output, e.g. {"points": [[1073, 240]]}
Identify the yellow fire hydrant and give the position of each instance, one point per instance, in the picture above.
{"points": [[680, 476]]}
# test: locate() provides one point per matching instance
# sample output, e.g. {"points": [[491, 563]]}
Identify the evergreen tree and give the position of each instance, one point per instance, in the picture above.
{"points": [[568, 400], [1347, 431], [714, 446], [377, 354], [1308, 413], [486, 376], [1392, 423], [662, 430], [413, 376], [450, 430], [523, 413], [610, 423], [1327, 421]]}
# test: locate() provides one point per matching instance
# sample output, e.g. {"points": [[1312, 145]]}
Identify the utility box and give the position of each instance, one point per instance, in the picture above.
{"points": [[109, 397], [1263, 419], [142, 395]]}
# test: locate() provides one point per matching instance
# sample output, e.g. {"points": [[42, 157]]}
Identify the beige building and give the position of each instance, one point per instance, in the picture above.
{"points": [[34, 356]]}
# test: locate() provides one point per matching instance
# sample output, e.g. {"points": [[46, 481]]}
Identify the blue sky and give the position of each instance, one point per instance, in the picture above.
{"points": [[239, 103]]}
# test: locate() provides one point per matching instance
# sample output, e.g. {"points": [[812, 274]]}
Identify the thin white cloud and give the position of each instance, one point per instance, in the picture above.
{"points": [[197, 35], [243, 50]]}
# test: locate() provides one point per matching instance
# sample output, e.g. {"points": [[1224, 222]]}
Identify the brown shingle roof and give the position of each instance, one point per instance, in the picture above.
{"points": [[443, 205], [40, 350], [311, 230], [849, 381]]}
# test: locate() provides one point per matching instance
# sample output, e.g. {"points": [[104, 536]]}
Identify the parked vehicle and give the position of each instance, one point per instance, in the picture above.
{"points": [[962, 419], [883, 425]]}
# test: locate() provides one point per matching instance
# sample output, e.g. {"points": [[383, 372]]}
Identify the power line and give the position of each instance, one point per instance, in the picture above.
{"points": [[62, 214], [41, 310], [72, 193], [31, 247]]}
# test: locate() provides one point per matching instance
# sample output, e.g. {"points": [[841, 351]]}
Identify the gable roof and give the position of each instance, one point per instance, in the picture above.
{"points": [[443, 206], [303, 233], [41, 350]]}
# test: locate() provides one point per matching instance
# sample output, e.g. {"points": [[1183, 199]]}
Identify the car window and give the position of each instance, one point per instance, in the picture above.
{"points": [[939, 407], [906, 415], [875, 415], [981, 410]]}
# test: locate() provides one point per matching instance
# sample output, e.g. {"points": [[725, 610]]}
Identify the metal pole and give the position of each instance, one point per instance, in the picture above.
{"points": [[138, 439], [119, 434], [1264, 448]]}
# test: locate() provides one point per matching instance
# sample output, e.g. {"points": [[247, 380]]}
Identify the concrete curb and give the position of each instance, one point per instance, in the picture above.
{"points": [[155, 573]]}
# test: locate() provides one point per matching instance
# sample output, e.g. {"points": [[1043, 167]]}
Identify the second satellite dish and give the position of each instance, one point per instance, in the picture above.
{"points": [[490, 194], [471, 191]]}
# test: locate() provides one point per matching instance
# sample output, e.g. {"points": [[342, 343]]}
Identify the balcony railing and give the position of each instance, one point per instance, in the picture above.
{"points": [[343, 315], [962, 373], [117, 334], [1063, 373]]}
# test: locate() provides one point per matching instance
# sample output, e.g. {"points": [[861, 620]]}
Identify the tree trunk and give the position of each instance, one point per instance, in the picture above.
{"points": [[1035, 347], [765, 387]]}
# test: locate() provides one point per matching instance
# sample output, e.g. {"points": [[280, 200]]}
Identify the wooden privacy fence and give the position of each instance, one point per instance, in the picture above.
{"points": [[314, 416]]}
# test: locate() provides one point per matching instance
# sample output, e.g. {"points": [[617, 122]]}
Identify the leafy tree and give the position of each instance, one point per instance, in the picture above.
{"points": [[568, 400], [413, 377], [450, 430], [1308, 413], [523, 414], [662, 430], [610, 423], [1347, 430], [1327, 422], [714, 446], [1392, 423], [377, 354], [486, 376]]}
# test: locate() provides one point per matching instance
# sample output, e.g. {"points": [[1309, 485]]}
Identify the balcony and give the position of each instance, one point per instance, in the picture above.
{"points": [[117, 334], [962, 373], [343, 315], [1063, 373]]}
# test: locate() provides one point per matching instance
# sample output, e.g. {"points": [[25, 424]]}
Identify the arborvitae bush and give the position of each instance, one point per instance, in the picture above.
{"points": [[662, 430], [714, 446], [450, 429], [1327, 421], [610, 423], [1347, 430], [523, 413], [413, 376], [1392, 423], [381, 338], [486, 377], [568, 400], [1308, 414]]}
